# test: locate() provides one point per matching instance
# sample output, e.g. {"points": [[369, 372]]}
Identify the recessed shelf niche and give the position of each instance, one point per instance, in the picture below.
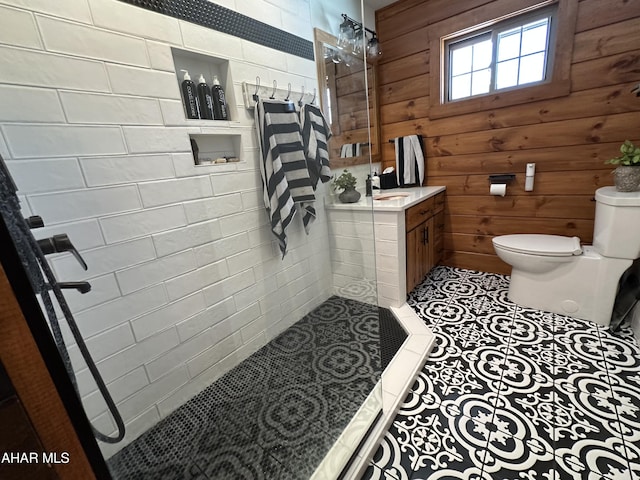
{"points": [[196, 64], [212, 147]]}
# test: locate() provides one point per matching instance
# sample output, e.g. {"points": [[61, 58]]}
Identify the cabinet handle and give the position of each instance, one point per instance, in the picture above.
{"points": [[425, 236], [424, 212]]}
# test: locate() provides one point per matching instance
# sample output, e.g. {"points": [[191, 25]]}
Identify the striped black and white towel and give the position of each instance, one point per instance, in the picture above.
{"points": [[349, 150], [315, 138], [409, 160], [284, 170]]}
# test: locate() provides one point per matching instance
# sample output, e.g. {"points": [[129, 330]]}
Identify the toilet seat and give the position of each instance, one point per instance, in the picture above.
{"points": [[542, 245]]}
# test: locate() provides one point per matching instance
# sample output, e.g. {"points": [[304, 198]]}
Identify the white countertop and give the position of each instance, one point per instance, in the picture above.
{"points": [[414, 195]]}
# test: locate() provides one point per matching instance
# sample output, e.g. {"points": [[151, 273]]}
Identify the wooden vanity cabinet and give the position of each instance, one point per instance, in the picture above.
{"points": [[424, 226]]}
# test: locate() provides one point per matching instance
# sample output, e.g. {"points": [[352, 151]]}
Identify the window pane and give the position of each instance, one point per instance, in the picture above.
{"points": [[509, 44], [534, 37], [532, 68], [461, 86], [508, 54], [461, 60], [481, 81], [482, 53], [507, 74]]}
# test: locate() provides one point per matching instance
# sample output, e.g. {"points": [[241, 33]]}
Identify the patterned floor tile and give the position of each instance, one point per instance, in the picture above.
{"points": [[426, 392], [554, 416], [497, 325], [388, 459], [461, 378], [454, 314], [472, 473], [554, 397], [498, 301], [509, 457], [300, 454], [633, 455], [430, 313], [626, 400], [461, 335], [476, 305], [438, 439], [622, 357], [465, 289], [590, 460], [275, 415], [445, 347], [165, 450]]}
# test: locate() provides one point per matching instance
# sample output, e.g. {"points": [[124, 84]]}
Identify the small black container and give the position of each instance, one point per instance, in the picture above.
{"points": [[220, 110], [205, 99], [190, 96], [388, 180]]}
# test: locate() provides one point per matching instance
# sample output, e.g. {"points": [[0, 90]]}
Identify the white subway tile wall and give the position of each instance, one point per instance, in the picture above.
{"points": [[187, 281], [24, 104]]}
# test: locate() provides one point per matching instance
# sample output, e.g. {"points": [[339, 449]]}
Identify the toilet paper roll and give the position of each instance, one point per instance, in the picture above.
{"points": [[499, 189]]}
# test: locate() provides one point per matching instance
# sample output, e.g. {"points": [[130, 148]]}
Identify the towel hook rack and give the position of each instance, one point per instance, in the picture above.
{"points": [[273, 93], [301, 96], [288, 92], [315, 92], [255, 94]]}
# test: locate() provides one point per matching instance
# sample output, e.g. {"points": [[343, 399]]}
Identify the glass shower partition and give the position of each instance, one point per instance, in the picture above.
{"points": [[196, 349]]}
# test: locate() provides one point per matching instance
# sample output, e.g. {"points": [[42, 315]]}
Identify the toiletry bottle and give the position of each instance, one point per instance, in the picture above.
{"points": [[205, 99], [220, 110], [368, 185], [375, 181], [189, 96]]}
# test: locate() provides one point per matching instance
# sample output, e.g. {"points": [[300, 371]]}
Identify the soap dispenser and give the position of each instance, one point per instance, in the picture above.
{"points": [[189, 96], [375, 181], [220, 109], [368, 186], [205, 99]]}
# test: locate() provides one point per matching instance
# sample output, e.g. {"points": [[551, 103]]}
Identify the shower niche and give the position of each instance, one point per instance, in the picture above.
{"points": [[216, 149], [209, 66]]}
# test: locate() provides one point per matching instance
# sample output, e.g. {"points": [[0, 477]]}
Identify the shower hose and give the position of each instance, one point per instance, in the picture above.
{"points": [[35, 263]]}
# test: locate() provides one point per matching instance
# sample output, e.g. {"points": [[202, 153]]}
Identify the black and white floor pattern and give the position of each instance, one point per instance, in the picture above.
{"points": [[513, 393], [274, 416]]}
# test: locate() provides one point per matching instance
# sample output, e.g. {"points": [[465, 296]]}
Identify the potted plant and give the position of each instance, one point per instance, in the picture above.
{"points": [[347, 183], [627, 175]]}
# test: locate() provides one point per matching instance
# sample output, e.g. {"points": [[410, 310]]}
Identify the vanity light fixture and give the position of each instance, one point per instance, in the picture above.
{"points": [[353, 35]]}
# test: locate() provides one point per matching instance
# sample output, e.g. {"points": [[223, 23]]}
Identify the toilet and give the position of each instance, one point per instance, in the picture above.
{"points": [[558, 274]]}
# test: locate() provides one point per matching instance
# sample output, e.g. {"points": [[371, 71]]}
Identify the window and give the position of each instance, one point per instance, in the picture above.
{"points": [[509, 54]]}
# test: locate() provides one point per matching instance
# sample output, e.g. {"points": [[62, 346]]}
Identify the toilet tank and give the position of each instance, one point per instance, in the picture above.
{"points": [[616, 231]]}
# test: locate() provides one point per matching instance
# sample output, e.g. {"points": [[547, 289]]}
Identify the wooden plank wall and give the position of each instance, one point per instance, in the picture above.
{"points": [[568, 138]]}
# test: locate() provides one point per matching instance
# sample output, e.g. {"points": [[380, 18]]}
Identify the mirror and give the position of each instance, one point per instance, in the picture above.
{"points": [[343, 100]]}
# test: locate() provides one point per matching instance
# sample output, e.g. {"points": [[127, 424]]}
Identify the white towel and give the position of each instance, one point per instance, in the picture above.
{"points": [[349, 150], [315, 137], [409, 160], [285, 176]]}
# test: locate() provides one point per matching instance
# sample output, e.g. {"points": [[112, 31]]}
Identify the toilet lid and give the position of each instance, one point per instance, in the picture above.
{"points": [[547, 245]]}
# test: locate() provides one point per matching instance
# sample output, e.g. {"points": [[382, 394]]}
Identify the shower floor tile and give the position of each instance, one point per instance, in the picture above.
{"points": [[277, 414], [531, 394]]}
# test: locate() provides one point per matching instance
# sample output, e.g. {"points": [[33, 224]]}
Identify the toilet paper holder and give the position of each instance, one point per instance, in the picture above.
{"points": [[502, 178]]}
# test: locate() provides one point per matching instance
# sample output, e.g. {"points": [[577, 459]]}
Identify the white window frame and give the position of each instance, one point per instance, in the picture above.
{"points": [[484, 17], [492, 33]]}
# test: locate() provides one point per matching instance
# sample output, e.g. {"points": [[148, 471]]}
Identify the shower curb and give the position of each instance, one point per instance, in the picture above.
{"points": [[387, 396]]}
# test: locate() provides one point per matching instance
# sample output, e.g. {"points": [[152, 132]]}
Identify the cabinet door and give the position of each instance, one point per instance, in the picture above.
{"points": [[419, 255]]}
